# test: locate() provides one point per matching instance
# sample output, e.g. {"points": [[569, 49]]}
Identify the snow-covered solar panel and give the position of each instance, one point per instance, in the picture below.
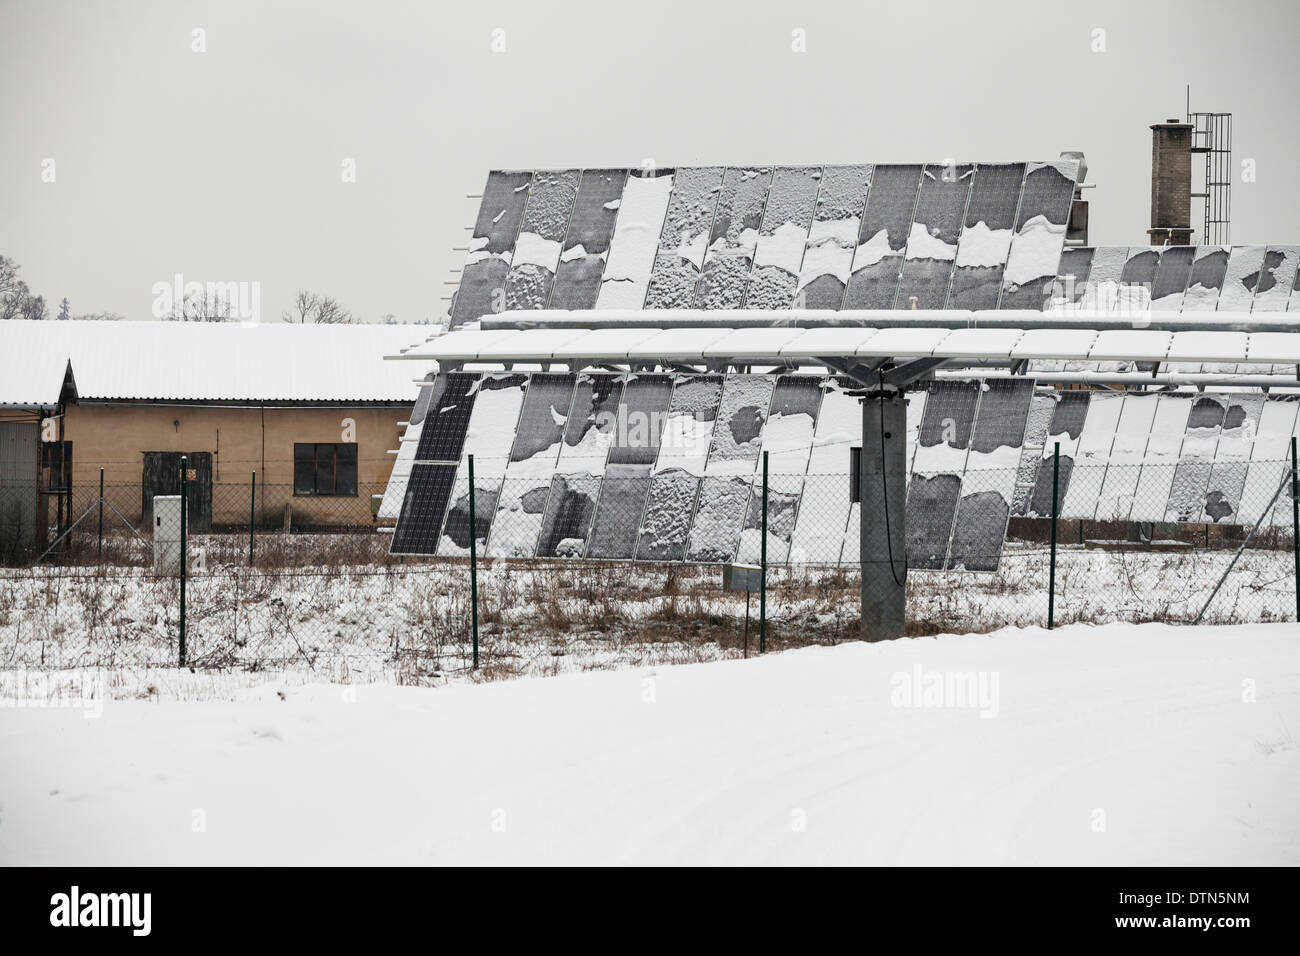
{"points": [[1035, 253], [745, 344], [833, 236], [882, 239], [491, 246], [733, 238], [641, 212], [537, 248], [684, 239], [985, 238], [1276, 279], [666, 467], [932, 241], [1240, 278], [587, 240], [783, 237]]}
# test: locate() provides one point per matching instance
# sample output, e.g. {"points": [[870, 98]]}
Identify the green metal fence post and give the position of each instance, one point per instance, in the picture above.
{"points": [[101, 514], [252, 517], [185, 494], [1295, 525], [762, 579], [1051, 574], [473, 563]]}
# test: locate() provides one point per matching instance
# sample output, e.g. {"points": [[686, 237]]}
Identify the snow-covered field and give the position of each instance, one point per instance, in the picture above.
{"points": [[1121, 744]]}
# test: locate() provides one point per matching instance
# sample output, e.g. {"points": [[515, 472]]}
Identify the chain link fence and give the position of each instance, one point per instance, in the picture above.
{"points": [[578, 572]]}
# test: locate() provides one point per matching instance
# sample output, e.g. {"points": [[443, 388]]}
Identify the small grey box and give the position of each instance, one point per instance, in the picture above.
{"points": [[742, 577]]}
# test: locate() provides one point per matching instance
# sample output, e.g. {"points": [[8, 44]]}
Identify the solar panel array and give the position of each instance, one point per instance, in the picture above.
{"points": [[1178, 279], [666, 467], [983, 235]]}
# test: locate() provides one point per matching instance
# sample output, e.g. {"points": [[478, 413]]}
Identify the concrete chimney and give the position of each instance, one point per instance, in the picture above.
{"points": [[1171, 184]]}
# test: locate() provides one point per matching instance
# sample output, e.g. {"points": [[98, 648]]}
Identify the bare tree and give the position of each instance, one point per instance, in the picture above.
{"points": [[319, 309], [205, 306], [16, 300]]}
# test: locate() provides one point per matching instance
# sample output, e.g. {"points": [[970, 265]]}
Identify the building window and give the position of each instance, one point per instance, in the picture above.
{"points": [[324, 469], [56, 456]]}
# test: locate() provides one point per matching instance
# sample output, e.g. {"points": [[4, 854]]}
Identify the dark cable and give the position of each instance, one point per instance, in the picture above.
{"points": [[884, 489]]}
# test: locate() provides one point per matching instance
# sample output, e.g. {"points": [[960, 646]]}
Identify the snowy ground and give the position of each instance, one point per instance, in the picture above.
{"points": [[1124, 744]]}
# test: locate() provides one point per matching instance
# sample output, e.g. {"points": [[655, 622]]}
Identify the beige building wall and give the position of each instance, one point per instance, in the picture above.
{"points": [[241, 440]]}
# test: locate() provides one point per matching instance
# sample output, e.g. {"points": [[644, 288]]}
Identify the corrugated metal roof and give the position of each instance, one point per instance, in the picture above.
{"points": [[205, 361]]}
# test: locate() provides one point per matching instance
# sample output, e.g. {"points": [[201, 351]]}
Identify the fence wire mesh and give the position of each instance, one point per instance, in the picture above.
{"points": [[601, 571]]}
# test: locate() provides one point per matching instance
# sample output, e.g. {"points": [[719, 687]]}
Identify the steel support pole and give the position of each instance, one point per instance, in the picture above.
{"points": [[101, 514], [185, 509], [1295, 524], [762, 581], [473, 563], [1051, 573], [883, 493]]}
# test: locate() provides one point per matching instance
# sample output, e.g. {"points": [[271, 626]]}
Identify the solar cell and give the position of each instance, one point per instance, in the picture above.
{"points": [[882, 239], [1244, 266], [641, 213], [932, 241], [782, 237], [985, 239], [586, 242], [491, 248], [537, 249], [420, 521], [1276, 279], [685, 238], [733, 238], [833, 237]]}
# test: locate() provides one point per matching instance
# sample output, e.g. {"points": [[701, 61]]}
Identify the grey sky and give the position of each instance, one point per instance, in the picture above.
{"points": [[226, 165]]}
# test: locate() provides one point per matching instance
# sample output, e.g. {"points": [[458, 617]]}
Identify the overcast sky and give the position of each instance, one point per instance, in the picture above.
{"points": [[226, 165]]}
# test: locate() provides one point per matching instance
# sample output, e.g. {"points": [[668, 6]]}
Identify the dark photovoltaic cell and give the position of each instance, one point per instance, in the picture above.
{"points": [[1279, 274], [932, 243], [931, 504], [622, 501], [1140, 269], [1076, 266], [733, 238], [1048, 192], [1040, 234], [485, 507], [1003, 410], [685, 238], [1209, 265], [986, 236], [450, 405], [537, 250], [882, 239], [1067, 420], [491, 247], [582, 262], [544, 414], [641, 414], [420, 522], [569, 511], [985, 505], [833, 237], [978, 532], [949, 414], [782, 237], [1244, 265], [595, 400], [1171, 278]]}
